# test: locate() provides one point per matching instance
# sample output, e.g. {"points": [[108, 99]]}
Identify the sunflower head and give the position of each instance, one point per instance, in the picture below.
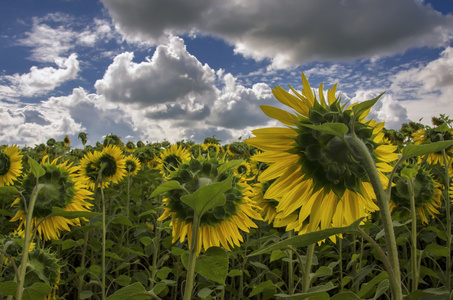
{"points": [[10, 165], [130, 147], [430, 135], [12, 244], [112, 164], [219, 225], [427, 192], [66, 141], [58, 187], [312, 160], [112, 139], [170, 158], [133, 165]]}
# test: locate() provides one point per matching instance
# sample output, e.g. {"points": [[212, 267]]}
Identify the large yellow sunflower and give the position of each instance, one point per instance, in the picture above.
{"points": [[220, 226], [10, 165], [170, 158], [314, 171], [63, 189]]}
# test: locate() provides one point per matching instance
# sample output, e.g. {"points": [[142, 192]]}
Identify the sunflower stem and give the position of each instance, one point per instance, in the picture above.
{"points": [[290, 267], [104, 230], [192, 258], [307, 267], [448, 218], [361, 151], [27, 241], [414, 264]]}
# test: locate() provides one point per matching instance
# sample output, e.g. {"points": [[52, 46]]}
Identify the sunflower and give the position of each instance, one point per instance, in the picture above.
{"points": [[132, 165], [212, 148], [170, 158], [315, 173], [10, 165], [89, 170], [427, 194], [66, 141], [220, 226], [246, 171], [113, 163], [430, 135], [130, 147], [237, 150], [12, 244], [60, 188]]}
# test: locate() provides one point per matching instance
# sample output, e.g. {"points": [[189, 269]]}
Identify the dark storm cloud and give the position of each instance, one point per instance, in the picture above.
{"points": [[291, 32]]}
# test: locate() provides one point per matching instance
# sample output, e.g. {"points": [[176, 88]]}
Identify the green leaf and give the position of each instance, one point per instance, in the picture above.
{"points": [[167, 186], [86, 294], [213, 264], [322, 288], [204, 293], [367, 288], [309, 238], [302, 296], [146, 240], [8, 191], [234, 273], [57, 211], [208, 196], [436, 250], [135, 291], [322, 271], [441, 291], [267, 285], [277, 254], [409, 173], [163, 272], [418, 150], [121, 220], [68, 244], [123, 280], [382, 288], [345, 296], [36, 169], [8, 288], [337, 129], [36, 291], [362, 107], [229, 165]]}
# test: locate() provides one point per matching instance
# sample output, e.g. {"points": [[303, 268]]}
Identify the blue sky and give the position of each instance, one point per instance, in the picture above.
{"points": [[170, 70]]}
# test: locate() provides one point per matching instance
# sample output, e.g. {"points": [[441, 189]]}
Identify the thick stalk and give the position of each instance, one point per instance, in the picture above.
{"points": [[290, 267], [368, 163], [448, 219], [192, 258], [104, 230], [307, 267], [27, 241], [414, 263]]}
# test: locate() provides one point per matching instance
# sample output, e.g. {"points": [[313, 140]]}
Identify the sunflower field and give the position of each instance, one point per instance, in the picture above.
{"points": [[330, 205]]}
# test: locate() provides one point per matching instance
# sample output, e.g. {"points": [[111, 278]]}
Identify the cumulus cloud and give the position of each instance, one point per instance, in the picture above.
{"points": [[289, 32], [425, 91], [39, 80], [170, 75]]}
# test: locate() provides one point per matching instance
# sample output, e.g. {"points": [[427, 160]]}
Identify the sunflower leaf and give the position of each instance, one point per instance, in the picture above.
{"points": [[59, 212], [208, 196], [229, 165], [165, 187], [417, 150], [337, 129], [36, 291], [213, 264], [362, 107], [309, 238], [36, 168]]}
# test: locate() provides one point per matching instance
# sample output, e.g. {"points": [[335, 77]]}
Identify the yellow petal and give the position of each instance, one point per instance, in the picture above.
{"points": [[279, 114]]}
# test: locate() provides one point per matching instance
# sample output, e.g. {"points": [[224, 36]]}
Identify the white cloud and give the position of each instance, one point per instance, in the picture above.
{"points": [[39, 80], [171, 75], [291, 32], [426, 91]]}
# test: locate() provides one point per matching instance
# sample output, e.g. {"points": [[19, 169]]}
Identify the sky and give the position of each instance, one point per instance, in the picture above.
{"points": [[173, 70]]}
